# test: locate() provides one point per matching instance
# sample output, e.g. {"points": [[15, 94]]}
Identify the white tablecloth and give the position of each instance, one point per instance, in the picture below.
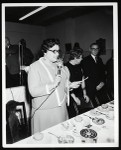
{"points": [[105, 132], [19, 95]]}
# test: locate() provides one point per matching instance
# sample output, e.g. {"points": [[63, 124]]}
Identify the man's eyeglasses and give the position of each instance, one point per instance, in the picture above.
{"points": [[95, 49], [54, 51]]}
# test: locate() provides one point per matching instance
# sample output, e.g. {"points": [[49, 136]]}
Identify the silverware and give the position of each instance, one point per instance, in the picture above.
{"points": [[88, 116], [88, 126], [72, 123], [101, 113], [54, 135], [110, 106]]}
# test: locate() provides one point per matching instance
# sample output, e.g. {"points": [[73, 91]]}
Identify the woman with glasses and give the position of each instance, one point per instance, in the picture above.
{"points": [[49, 85]]}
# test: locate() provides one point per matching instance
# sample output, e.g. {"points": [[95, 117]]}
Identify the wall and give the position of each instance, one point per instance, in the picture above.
{"points": [[32, 34], [93, 26], [85, 30]]}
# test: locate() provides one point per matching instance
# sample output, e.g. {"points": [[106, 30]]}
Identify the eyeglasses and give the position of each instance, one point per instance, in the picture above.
{"points": [[54, 51], [95, 49]]}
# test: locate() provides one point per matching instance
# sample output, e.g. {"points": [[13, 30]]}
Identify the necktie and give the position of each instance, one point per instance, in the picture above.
{"points": [[96, 59]]}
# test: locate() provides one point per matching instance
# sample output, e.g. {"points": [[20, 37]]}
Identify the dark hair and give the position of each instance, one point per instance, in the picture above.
{"points": [[7, 38], [23, 42], [93, 44], [49, 43], [75, 53]]}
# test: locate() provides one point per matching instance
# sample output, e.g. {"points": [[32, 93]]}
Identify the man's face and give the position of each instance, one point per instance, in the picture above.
{"points": [[7, 42], [94, 50]]}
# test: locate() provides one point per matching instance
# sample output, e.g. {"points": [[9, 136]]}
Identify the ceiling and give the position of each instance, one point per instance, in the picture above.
{"points": [[50, 14]]}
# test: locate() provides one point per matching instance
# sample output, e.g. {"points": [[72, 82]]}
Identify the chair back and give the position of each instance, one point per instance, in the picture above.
{"points": [[16, 119]]}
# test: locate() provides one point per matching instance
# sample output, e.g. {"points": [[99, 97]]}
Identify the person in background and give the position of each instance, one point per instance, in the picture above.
{"points": [[26, 53], [110, 77], [78, 97], [48, 83], [94, 69], [26, 59], [12, 64]]}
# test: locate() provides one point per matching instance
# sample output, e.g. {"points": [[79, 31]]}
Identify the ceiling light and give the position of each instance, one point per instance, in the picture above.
{"points": [[33, 12]]}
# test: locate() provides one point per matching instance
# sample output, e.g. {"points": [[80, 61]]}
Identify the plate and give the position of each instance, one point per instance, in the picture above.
{"points": [[78, 119], [38, 136], [110, 116], [104, 106], [66, 139], [98, 121], [112, 102], [66, 126], [110, 108], [76, 133], [103, 109], [94, 113], [88, 133]]}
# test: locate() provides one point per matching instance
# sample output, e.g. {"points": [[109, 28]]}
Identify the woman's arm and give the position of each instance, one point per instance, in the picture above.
{"points": [[76, 99], [84, 90]]}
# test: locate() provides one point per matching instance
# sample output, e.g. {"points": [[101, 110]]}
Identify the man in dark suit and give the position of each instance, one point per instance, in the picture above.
{"points": [[12, 64], [94, 69], [26, 54]]}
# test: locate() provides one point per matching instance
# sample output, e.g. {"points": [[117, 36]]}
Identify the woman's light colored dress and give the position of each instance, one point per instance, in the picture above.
{"points": [[47, 110]]}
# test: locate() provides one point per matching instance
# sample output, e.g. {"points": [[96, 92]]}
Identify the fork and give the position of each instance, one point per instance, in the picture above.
{"points": [[54, 135], [88, 116], [101, 113]]}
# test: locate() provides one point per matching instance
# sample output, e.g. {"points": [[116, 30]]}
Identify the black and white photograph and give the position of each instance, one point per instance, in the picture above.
{"points": [[60, 75]]}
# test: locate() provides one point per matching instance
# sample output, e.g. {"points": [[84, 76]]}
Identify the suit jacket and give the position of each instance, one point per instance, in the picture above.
{"points": [[95, 72], [26, 56], [12, 59]]}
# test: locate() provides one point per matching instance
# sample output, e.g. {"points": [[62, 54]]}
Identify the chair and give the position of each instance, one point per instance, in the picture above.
{"points": [[17, 125]]}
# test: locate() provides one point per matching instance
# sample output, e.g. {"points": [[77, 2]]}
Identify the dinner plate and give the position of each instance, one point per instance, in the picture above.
{"points": [[111, 103], [66, 126], [104, 106], [66, 139], [98, 121], [100, 108], [38, 136], [78, 119], [88, 133], [76, 133], [110, 116], [110, 108], [94, 113]]}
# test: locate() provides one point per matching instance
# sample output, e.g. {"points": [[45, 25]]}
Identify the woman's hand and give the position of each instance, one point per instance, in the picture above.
{"points": [[76, 99], [86, 98], [57, 80], [74, 85], [100, 86], [78, 102]]}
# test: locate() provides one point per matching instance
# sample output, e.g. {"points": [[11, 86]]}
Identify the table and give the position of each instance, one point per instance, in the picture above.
{"points": [[104, 128], [18, 94]]}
